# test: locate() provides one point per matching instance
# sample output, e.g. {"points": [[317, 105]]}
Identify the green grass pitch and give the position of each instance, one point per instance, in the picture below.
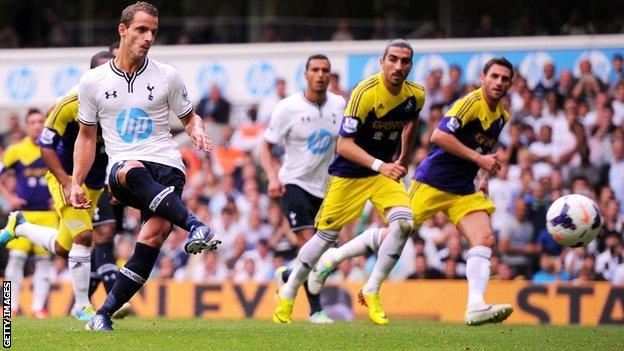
{"points": [[204, 334]]}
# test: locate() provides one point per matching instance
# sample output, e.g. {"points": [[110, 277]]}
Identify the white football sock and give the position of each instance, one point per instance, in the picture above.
{"points": [[367, 241], [399, 229], [478, 275], [38, 234], [14, 272], [41, 281], [307, 258], [80, 268]]}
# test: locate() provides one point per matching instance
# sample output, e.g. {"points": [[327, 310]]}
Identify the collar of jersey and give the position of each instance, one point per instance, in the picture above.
{"points": [[312, 102], [127, 76]]}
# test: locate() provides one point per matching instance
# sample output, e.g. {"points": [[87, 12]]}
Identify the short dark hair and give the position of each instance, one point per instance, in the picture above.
{"points": [[401, 43], [31, 111], [315, 57], [102, 55], [501, 61], [127, 15]]}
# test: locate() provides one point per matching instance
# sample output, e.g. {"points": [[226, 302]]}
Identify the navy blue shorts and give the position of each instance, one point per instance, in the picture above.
{"points": [[165, 175], [300, 207]]}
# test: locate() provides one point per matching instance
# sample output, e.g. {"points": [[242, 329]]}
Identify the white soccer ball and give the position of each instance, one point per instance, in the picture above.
{"points": [[573, 220]]}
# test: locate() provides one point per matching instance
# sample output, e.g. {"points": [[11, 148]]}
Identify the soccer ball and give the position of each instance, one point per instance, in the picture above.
{"points": [[573, 220]]}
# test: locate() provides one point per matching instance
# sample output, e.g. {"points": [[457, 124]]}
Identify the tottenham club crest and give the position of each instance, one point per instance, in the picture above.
{"points": [[150, 88]]}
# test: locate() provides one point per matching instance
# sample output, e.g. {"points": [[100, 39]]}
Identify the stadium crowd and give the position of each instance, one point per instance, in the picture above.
{"points": [[566, 135]]}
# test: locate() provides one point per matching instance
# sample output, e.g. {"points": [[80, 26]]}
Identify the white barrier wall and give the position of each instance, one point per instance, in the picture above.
{"points": [[246, 72]]}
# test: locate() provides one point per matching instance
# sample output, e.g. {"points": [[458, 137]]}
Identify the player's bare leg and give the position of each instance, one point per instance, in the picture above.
{"points": [[477, 227]]}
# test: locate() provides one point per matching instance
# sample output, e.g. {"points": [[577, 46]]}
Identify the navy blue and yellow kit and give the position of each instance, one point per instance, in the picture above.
{"points": [[445, 182], [374, 118]]}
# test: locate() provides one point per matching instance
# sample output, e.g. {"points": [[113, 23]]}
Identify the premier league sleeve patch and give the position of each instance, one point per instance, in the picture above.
{"points": [[449, 124], [349, 126]]}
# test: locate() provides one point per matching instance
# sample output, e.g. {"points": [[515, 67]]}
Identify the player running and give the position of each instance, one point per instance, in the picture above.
{"points": [[33, 199], [307, 125], [445, 182], [383, 110], [131, 98]]}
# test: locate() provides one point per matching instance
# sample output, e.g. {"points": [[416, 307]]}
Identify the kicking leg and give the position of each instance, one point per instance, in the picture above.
{"points": [[166, 203]]}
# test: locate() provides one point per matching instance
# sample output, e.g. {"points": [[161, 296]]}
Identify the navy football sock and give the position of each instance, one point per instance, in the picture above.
{"points": [[313, 300], [104, 254], [94, 278], [161, 200], [130, 278]]}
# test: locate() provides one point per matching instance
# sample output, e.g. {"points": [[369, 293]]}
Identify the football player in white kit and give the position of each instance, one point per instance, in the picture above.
{"points": [[131, 98], [306, 124]]}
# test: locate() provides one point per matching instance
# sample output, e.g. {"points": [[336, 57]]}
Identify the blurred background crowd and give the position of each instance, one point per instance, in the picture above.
{"points": [[58, 23], [566, 135]]}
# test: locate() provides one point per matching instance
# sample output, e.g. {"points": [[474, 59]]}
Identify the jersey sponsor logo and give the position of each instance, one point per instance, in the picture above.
{"points": [[452, 124], [134, 125], [66, 78], [319, 141], [349, 124], [484, 140], [261, 79], [21, 84], [388, 125], [46, 137]]}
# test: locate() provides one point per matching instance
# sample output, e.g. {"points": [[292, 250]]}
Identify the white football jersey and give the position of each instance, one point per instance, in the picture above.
{"points": [[308, 133], [133, 110]]}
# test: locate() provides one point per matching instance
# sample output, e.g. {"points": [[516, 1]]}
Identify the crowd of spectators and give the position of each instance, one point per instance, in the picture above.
{"points": [[566, 135], [58, 24]]}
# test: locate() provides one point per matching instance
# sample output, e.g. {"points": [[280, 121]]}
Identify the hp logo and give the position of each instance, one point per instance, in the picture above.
{"points": [[319, 141], [134, 125]]}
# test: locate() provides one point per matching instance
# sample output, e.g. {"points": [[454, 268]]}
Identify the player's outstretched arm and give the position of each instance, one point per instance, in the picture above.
{"points": [[84, 154], [195, 128], [452, 145], [347, 148]]}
